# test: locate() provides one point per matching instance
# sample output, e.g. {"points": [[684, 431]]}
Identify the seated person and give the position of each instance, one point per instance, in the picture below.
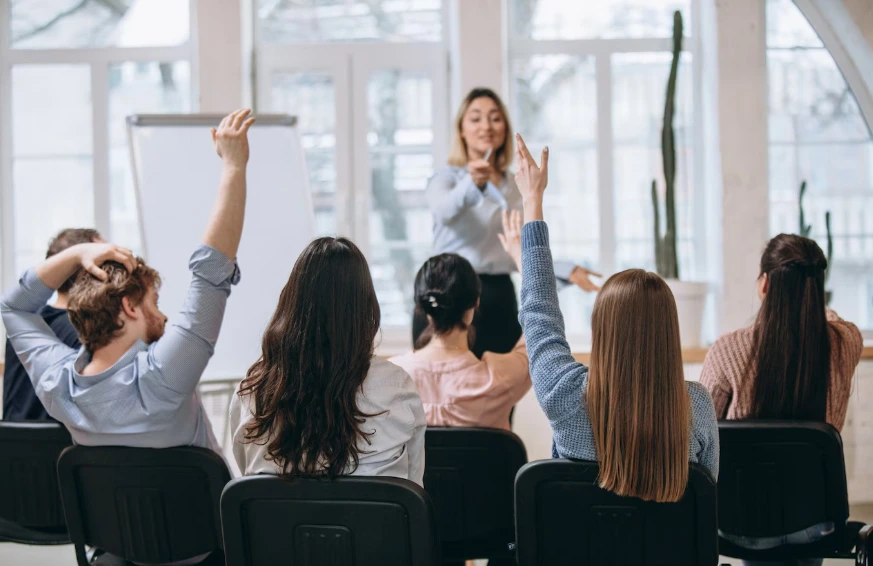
{"points": [[633, 412], [456, 387], [132, 384], [318, 402], [19, 400], [796, 362]]}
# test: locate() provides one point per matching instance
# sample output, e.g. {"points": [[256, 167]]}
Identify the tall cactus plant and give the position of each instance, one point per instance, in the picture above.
{"points": [[805, 229], [666, 260]]}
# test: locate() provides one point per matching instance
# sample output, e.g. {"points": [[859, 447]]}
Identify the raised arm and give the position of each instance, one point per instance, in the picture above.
{"points": [[557, 377], [224, 230], [447, 197], [181, 355], [36, 345]]}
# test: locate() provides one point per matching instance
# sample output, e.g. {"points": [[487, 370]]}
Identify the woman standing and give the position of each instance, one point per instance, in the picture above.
{"points": [[467, 198]]}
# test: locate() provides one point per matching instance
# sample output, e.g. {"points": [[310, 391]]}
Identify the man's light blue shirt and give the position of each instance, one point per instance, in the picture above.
{"points": [[148, 398]]}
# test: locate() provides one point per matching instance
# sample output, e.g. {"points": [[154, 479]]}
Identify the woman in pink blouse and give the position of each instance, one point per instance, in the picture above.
{"points": [[456, 387]]}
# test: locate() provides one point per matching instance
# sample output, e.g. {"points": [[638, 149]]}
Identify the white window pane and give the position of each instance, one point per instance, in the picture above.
{"points": [[52, 168], [45, 24], [554, 103], [51, 110], [787, 26], [809, 99], [818, 135], [138, 88], [638, 89], [52, 193], [401, 160], [311, 96], [574, 19], [349, 20]]}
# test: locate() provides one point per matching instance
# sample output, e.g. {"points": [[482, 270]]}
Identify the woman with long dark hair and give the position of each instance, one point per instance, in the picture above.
{"points": [[467, 198], [317, 402], [796, 362], [798, 359]]}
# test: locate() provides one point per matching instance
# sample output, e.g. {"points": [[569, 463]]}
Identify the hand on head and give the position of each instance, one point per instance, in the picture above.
{"points": [[230, 138], [510, 239], [93, 256]]}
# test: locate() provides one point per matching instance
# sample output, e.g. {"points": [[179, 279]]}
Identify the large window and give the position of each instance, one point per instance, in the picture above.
{"points": [[73, 71], [818, 135], [589, 80], [373, 120]]}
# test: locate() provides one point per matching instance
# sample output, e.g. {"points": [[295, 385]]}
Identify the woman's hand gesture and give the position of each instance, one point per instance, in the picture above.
{"points": [[531, 180]]}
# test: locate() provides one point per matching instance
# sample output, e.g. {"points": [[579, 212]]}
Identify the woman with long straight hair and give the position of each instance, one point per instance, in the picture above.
{"points": [[467, 198], [632, 410], [317, 402], [798, 358], [796, 362]]}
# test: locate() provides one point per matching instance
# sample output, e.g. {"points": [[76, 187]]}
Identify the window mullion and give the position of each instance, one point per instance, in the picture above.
{"points": [[100, 142], [605, 176]]}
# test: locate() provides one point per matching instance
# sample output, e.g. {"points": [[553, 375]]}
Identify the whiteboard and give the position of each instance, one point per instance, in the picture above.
{"points": [[176, 173]]}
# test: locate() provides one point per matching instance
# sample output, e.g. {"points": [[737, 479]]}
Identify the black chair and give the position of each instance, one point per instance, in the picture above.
{"points": [[470, 476], [780, 477], [144, 505], [30, 504], [360, 521], [564, 517]]}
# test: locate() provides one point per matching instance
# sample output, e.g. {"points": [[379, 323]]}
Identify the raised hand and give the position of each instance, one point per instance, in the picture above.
{"points": [[93, 256], [531, 180], [510, 239], [231, 139]]}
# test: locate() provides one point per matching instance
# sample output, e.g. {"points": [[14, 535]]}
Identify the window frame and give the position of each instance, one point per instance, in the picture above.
{"points": [[351, 64], [98, 59], [602, 50]]}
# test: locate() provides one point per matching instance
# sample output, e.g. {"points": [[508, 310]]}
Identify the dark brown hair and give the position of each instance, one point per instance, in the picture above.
{"points": [[637, 398], [66, 239], [315, 355], [95, 306], [791, 353], [446, 287]]}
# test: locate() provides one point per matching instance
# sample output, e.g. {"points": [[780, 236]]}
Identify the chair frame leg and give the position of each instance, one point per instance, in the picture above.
{"points": [[865, 535], [81, 555]]}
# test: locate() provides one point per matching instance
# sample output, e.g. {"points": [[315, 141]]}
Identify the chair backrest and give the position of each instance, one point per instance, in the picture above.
{"points": [[142, 504], [564, 517], [779, 477], [470, 476], [365, 521], [29, 494]]}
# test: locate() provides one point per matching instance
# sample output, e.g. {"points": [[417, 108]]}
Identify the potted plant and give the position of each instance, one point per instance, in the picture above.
{"points": [[806, 231], [690, 296]]}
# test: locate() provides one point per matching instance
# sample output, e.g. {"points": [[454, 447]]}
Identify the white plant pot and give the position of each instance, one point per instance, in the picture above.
{"points": [[691, 304]]}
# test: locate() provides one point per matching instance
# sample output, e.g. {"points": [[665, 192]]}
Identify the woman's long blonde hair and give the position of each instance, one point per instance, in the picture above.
{"points": [[503, 154], [639, 405]]}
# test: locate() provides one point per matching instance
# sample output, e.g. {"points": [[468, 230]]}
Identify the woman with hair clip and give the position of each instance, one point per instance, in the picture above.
{"points": [[456, 387], [632, 410], [796, 362], [318, 402], [466, 199]]}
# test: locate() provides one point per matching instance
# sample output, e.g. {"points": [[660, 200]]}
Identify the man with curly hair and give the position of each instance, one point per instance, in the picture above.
{"points": [[133, 384]]}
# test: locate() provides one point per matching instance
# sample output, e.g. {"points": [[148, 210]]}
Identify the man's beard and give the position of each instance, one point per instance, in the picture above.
{"points": [[154, 328]]}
